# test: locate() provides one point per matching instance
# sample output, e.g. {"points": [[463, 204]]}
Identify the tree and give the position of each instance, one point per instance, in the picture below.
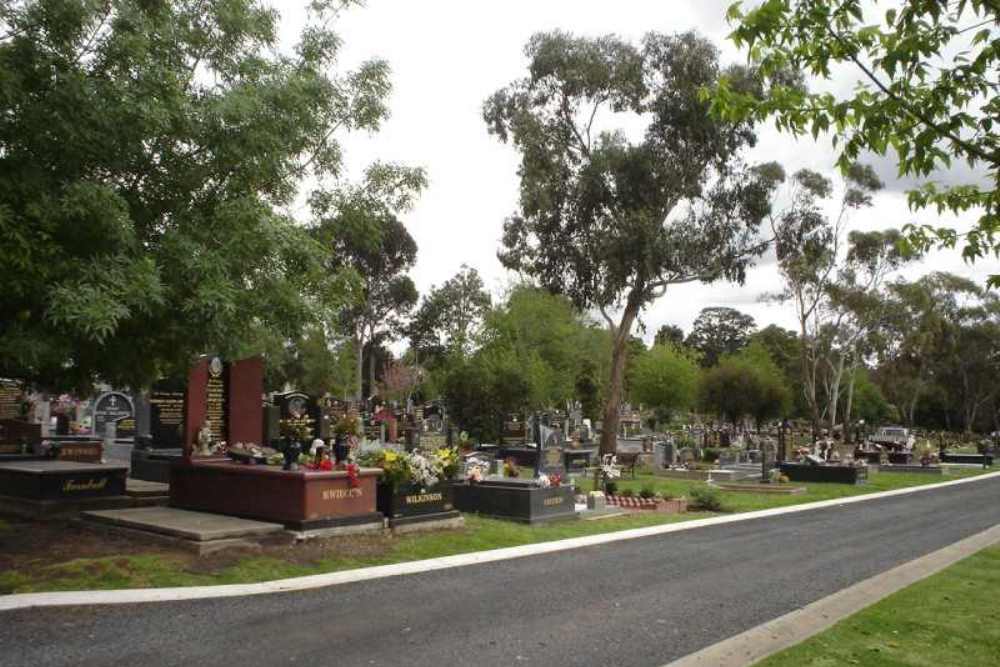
{"points": [[718, 331], [666, 379], [669, 334], [360, 228], [611, 221], [928, 92], [747, 384], [449, 317], [808, 249], [147, 150]]}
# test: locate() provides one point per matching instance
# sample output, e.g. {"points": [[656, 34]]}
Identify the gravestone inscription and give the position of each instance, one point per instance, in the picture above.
{"points": [[114, 407], [551, 454], [166, 414]]}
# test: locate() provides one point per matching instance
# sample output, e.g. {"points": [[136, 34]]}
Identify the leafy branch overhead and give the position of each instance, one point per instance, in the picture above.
{"points": [[927, 94]]}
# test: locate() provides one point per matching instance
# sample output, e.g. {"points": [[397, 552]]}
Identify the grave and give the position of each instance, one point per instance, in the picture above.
{"points": [[515, 499], [516, 442], [49, 488], [114, 407], [819, 472], [154, 452], [228, 398]]}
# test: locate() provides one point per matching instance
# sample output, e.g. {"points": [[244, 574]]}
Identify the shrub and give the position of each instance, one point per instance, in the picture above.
{"points": [[627, 493], [706, 498], [577, 489], [710, 455], [647, 492], [610, 488]]}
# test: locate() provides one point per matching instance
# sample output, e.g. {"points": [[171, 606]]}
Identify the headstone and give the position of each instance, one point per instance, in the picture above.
{"points": [[166, 414], [229, 397], [552, 445], [664, 455], [515, 431], [596, 501], [686, 455], [114, 408], [11, 399], [300, 409]]}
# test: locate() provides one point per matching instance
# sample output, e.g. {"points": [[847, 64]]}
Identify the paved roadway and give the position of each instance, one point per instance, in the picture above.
{"points": [[638, 602]]}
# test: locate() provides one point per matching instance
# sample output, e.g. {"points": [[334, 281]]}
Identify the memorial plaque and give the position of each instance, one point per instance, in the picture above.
{"points": [[116, 408], [11, 399], [166, 414]]}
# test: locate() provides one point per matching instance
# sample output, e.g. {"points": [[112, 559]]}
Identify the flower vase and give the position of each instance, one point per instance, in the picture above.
{"points": [[340, 449], [292, 451]]}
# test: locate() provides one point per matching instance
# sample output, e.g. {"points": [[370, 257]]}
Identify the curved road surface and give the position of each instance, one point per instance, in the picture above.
{"points": [[638, 602]]}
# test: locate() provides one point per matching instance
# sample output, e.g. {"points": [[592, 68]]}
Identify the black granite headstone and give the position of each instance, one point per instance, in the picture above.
{"points": [[297, 408], [114, 407], [166, 414]]}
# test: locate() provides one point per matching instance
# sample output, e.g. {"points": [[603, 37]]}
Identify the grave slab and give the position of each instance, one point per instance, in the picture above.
{"points": [[140, 488], [185, 524]]}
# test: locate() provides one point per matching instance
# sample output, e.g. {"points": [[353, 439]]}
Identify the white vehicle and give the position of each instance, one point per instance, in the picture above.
{"points": [[896, 437]]}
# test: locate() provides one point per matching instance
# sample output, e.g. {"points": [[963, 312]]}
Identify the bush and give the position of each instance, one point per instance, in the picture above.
{"points": [[710, 455], [627, 493], [610, 488], [647, 492], [577, 489], [706, 498]]}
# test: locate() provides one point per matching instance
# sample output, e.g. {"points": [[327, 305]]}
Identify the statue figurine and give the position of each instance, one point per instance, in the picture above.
{"points": [[204, 440]]}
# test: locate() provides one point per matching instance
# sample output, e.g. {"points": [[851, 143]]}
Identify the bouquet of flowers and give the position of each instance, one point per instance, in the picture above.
{"points": [[543, 481], [511, 469], [425, 471], [447, 460]]}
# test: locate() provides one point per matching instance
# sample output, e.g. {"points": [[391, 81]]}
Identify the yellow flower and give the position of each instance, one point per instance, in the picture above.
{"points": [[390, 457]]}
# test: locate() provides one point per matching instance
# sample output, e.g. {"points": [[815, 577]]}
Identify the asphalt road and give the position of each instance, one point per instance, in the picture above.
{"points": [[638, 602]]}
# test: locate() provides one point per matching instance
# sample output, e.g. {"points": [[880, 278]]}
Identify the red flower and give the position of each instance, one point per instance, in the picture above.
{"points": [[352, 475]]}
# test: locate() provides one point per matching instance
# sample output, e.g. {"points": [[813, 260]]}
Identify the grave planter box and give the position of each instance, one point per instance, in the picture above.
{"points": [[807, 472], [917, 469], [410, 501], [516, 500], [301, 499]]}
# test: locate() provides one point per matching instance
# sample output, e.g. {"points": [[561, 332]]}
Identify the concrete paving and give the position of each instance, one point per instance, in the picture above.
{"points": [[644, 601], [185, 524], [140, 488]]}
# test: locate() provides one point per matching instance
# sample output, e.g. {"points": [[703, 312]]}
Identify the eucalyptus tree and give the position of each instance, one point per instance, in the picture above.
{"points": [[450, 317], [719, 330], [927, 94], [148, 154], [359, 227], [612, 218]]}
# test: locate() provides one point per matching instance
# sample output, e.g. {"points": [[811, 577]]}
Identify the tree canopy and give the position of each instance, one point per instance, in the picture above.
{"points": [[928, 94], [612, 221], [719, 330], [148, 153]]}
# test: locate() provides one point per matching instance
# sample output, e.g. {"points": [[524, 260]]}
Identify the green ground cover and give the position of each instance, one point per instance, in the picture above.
{"points": [[140, 566], [951, 618]]}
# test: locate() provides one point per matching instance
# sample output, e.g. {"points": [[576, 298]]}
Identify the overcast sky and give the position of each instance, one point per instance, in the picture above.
{"points": [[448, 56]]}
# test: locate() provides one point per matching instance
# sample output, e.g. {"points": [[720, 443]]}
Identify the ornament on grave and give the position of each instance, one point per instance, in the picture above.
{"points": [[205, 440]]}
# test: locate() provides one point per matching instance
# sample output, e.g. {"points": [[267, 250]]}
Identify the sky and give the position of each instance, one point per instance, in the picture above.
{"points": [[448, 56]]}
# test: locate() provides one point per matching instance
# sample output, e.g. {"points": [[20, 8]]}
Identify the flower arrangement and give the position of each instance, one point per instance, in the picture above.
{"points": [[447, 458], [511, 469], [555, 479], [475, 473], [543, 481], [346, 425], [401, 468]]}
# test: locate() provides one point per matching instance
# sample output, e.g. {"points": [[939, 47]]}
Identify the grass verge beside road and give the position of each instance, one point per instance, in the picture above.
{"points": [[38, 557], [950, 618]]}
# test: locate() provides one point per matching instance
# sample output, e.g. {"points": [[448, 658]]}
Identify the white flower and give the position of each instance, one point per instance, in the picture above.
{"points": [[543, 481]]}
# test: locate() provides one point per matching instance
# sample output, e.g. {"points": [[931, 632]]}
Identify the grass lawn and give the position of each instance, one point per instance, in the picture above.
{"points": [[950, 618], [73, 558]]}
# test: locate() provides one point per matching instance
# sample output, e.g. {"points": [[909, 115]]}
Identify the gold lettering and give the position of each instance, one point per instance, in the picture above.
{"points": [[339, 494], [553, 501], [90, 485], [424, 498]]}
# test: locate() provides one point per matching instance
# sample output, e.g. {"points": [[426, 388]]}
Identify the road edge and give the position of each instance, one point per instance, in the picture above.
{"points": [[142, 595], [774, 636]]}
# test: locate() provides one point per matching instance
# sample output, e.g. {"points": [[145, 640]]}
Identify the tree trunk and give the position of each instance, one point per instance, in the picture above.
{"points": [[809, 380], [359, 367], [834, 397], [850, 402], [619, 354], [371, 367]]}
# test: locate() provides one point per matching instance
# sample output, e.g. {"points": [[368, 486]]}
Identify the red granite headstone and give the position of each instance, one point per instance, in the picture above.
{"points": [[195, 403], [246, 389]]}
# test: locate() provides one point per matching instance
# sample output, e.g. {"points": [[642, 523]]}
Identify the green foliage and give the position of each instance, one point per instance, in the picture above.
{"points": [[928, 94], [705, 498], [718, 331], [748, 384], [669, 333], [647, 491], [449, 318], [592, 220], [665, 378], [147, 152]]}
